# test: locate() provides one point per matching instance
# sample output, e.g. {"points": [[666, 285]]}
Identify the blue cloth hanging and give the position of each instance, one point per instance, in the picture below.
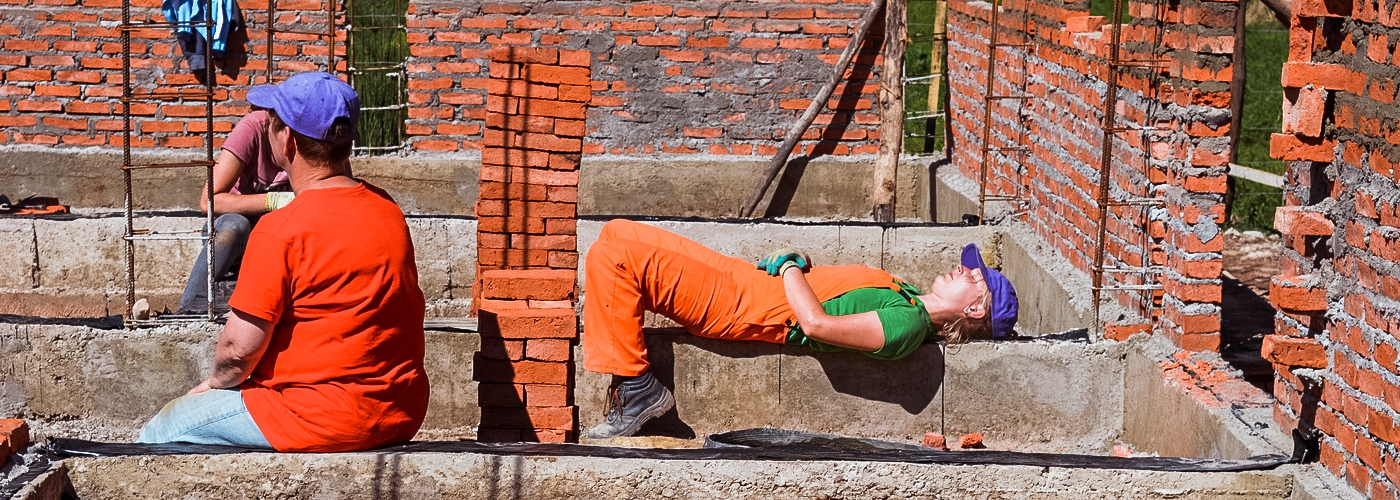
{"points": [[190, 36]]}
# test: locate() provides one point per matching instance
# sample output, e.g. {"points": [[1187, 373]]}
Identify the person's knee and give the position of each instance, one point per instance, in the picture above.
{"points": [[231, 228], [234, 223]]}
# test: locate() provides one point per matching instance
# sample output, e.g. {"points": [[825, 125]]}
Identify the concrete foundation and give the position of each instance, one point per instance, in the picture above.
{"points": [[699, 185], [429, 475], [77, 268]]}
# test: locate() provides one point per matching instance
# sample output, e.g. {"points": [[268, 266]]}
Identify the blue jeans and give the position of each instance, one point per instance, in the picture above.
{"points": [[230, 238], [216, 416]]}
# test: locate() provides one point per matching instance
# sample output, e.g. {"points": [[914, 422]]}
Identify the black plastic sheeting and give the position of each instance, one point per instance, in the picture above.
{"points": [[38, 465], [751, 444], [113, 322]]}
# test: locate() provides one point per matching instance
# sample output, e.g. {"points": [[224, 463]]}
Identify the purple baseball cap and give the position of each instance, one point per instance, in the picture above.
{"points": [[1004, 301], [309, 102]]}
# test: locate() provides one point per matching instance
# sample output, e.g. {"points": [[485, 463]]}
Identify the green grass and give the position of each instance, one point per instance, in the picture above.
{"points": [[378, 46], [1105, 8], [925, 32], [1253, 204]]}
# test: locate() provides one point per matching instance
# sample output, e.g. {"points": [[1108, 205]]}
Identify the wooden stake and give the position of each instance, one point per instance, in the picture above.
{"points": [[891, 112], [818, 103]]}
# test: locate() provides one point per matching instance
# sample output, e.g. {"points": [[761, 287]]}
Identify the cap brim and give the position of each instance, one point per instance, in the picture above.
{"points": [[264, 96]]}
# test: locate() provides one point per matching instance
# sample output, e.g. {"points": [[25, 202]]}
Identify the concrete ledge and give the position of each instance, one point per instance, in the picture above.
{"points": [[1027, 396], [684, 185], [435, 475]]}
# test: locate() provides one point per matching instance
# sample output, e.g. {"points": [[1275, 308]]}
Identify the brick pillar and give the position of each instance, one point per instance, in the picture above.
{"points": [[527, 262]]}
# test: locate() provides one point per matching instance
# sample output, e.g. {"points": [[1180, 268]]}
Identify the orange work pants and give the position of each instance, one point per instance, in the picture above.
{"points": [[634, 268]]}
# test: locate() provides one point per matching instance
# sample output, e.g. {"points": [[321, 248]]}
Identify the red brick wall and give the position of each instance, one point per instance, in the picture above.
{"points": [[527, 253], [1338, 294], [1181, 162], [62, 72], [721, 77]]}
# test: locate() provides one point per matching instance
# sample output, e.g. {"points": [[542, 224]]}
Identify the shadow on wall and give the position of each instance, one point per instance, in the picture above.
{"points": [[911, 383], [908, 384], [662, 356], [861, 72]]}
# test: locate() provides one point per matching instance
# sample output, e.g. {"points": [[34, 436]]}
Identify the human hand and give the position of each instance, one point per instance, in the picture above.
{"points": [[202, 387], [278, 199], [779, 260]]}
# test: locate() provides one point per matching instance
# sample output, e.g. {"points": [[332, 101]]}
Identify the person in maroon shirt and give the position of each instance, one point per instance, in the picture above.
{"points": [[250, 179]]}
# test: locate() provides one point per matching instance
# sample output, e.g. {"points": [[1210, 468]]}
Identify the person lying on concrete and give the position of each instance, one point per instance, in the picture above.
{"points": [[633, 268], [250, 179], [323, 350]]}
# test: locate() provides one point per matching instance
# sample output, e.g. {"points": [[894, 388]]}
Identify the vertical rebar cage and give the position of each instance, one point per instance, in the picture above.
{"points": [[180, 93], [328, 34], [377, 53]]}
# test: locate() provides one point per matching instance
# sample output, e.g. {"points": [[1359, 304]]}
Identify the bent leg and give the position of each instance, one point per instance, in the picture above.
{"points": [[703, 290], [230, 239], [217, 416], [626, 230]]}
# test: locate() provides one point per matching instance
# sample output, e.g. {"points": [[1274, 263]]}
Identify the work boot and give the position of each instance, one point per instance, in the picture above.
{"points": [[632, 403]]}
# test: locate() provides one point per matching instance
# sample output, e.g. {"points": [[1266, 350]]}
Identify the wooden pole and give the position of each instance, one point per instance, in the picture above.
{"points": [[891, 111], [795, 133]]}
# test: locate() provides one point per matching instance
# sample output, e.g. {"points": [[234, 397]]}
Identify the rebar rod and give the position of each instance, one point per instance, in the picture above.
{"points": [[126, 160], [209, 81], [1110, 119]]}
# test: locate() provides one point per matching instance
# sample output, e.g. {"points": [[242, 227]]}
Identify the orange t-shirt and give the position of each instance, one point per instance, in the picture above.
{"points": [[334, 271]]}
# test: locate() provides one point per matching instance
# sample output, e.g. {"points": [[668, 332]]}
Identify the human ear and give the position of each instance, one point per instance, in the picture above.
{"points": [[975, 311]]}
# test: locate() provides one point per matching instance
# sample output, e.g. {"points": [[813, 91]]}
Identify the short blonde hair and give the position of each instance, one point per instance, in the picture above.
{"points": [[965, 329]]}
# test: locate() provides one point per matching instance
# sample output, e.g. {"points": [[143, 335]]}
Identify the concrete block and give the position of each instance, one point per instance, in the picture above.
{"points": [[82, 254], [18, 254], [918, 255]]}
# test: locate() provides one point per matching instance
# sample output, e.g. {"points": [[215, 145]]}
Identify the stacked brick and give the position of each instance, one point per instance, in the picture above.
{"points": [[1178, 151], [719, 77], [61, 72], [527, 251], [1337, 331]]}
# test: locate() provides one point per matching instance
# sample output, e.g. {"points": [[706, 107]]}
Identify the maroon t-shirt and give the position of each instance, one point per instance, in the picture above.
{"points": [[251, 143]]}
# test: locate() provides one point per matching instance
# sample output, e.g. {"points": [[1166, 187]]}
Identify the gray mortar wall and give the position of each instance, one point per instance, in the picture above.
{"points": [[1048, 397], [105, 384], [690, 185], [96, 384], [77, 268], [470, 476]]}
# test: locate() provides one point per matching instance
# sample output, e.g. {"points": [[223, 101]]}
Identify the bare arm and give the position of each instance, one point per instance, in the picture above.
{"points": [[239, 348], [226, 171], [856, 331]]}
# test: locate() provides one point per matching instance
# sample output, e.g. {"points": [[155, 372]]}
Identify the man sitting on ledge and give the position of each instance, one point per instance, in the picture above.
{"points": [[323, 350]]}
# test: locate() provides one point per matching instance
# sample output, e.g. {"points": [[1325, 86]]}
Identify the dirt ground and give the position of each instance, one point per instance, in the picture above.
{"points": [[1251, 260]]}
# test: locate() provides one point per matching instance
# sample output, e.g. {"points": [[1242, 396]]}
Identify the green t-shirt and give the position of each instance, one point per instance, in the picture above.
{"points": [[901, 313]]}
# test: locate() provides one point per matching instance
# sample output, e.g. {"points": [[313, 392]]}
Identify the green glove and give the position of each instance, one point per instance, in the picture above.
{"points": [[278, 199], [779, 260]]}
